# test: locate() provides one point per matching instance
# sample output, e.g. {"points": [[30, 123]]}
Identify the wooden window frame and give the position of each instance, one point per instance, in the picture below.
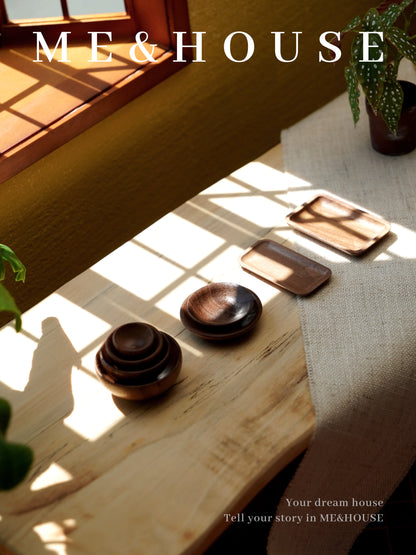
{"points": [[121, 25], [159, 18]]}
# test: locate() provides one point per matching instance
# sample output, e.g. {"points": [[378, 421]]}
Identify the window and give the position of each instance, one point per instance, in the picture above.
{"points": [[51, 17], [46, 104], [26, 9]]}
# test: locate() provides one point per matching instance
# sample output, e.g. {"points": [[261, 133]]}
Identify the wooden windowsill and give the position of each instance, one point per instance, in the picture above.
{"points": [[46, 104]]}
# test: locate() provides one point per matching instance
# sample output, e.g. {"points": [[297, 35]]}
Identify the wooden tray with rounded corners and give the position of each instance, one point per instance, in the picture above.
{"points": [[283, 267], [339, 224]]}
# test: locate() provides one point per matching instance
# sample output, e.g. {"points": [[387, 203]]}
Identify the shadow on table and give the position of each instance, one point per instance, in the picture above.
{"points": [[28, 496]]}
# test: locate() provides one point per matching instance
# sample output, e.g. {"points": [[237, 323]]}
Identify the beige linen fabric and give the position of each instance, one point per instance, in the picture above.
{"points": [[360, 339]]}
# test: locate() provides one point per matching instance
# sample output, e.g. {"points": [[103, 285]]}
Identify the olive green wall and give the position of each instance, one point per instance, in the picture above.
{"points": [[81, 201]]}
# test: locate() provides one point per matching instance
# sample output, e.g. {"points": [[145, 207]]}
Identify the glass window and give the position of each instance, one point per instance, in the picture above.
{"points": [[35, 96], [88, 7], [27, 9]]}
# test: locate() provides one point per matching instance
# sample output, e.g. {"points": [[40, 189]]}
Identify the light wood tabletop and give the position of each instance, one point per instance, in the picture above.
{"points": [[113, 476]]}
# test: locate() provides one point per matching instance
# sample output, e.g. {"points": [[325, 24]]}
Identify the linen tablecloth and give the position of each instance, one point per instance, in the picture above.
{"points": [[360, 339]]}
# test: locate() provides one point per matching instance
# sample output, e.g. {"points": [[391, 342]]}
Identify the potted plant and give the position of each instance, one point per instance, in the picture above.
{"points": [[382, 39], [15, 459]]}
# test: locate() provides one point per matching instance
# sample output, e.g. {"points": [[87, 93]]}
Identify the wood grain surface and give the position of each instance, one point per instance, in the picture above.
{"points": [[113, 476]]}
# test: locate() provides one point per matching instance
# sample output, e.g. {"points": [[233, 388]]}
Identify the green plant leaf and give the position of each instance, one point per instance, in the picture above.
{"points": [[15, 463], [405, 4], [384, 6], [353, 92], [404, 44], [7, 304], [372, 21], [389, 16], [370, 74], [18, 268], [5, 415], [391, 101], [353, 24]]}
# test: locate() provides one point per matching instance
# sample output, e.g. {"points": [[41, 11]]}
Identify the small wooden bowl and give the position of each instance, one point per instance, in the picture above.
{"points": [[143, 391], [220, 304], [148, 359], [134, 341], [139, 373]]}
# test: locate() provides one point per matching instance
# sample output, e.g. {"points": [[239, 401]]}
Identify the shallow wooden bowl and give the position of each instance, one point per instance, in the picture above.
{"points": [[144, 358], [239, 322], [221, 304], [134, 341]]}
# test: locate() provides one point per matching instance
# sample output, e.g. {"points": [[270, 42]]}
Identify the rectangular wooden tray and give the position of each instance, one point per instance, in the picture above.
{"points": [[339, 224], [283, 267]]}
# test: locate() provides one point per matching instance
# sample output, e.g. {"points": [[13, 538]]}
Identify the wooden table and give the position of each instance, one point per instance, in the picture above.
{"points": [[114, 477]]}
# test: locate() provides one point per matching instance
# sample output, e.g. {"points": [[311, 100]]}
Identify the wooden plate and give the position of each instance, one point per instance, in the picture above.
{"points": [[283, 267], [339, 224]]}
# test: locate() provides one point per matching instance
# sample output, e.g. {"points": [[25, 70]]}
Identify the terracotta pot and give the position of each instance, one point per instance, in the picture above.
{"points": [[382, 139]]}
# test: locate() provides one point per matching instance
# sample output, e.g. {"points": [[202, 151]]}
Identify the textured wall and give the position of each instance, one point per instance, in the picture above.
{"points": [[84, 199]]}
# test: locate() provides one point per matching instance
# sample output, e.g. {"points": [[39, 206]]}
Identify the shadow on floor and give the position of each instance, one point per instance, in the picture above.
{"points": [[395, 536]]}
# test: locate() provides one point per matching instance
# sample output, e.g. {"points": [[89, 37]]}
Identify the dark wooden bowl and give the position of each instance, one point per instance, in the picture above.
{"points": [[139, 372], [135, 340], [236, 326], [144, 359], [143, 391], [221, 304]]}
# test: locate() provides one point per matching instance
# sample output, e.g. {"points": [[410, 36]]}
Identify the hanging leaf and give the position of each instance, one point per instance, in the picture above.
{"points": [[18, 268], [391, 101], [5, 414], [15, 463], [372, 21], [384, 6], [353, 92], [405, 4], [7, 304], [404, 44], [370, 74], [389, 16], [356, 22], [15, 459]]}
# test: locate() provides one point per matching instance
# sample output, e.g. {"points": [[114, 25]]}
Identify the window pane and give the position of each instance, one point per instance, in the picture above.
{"points": [[28, 9], [88, 7]]}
